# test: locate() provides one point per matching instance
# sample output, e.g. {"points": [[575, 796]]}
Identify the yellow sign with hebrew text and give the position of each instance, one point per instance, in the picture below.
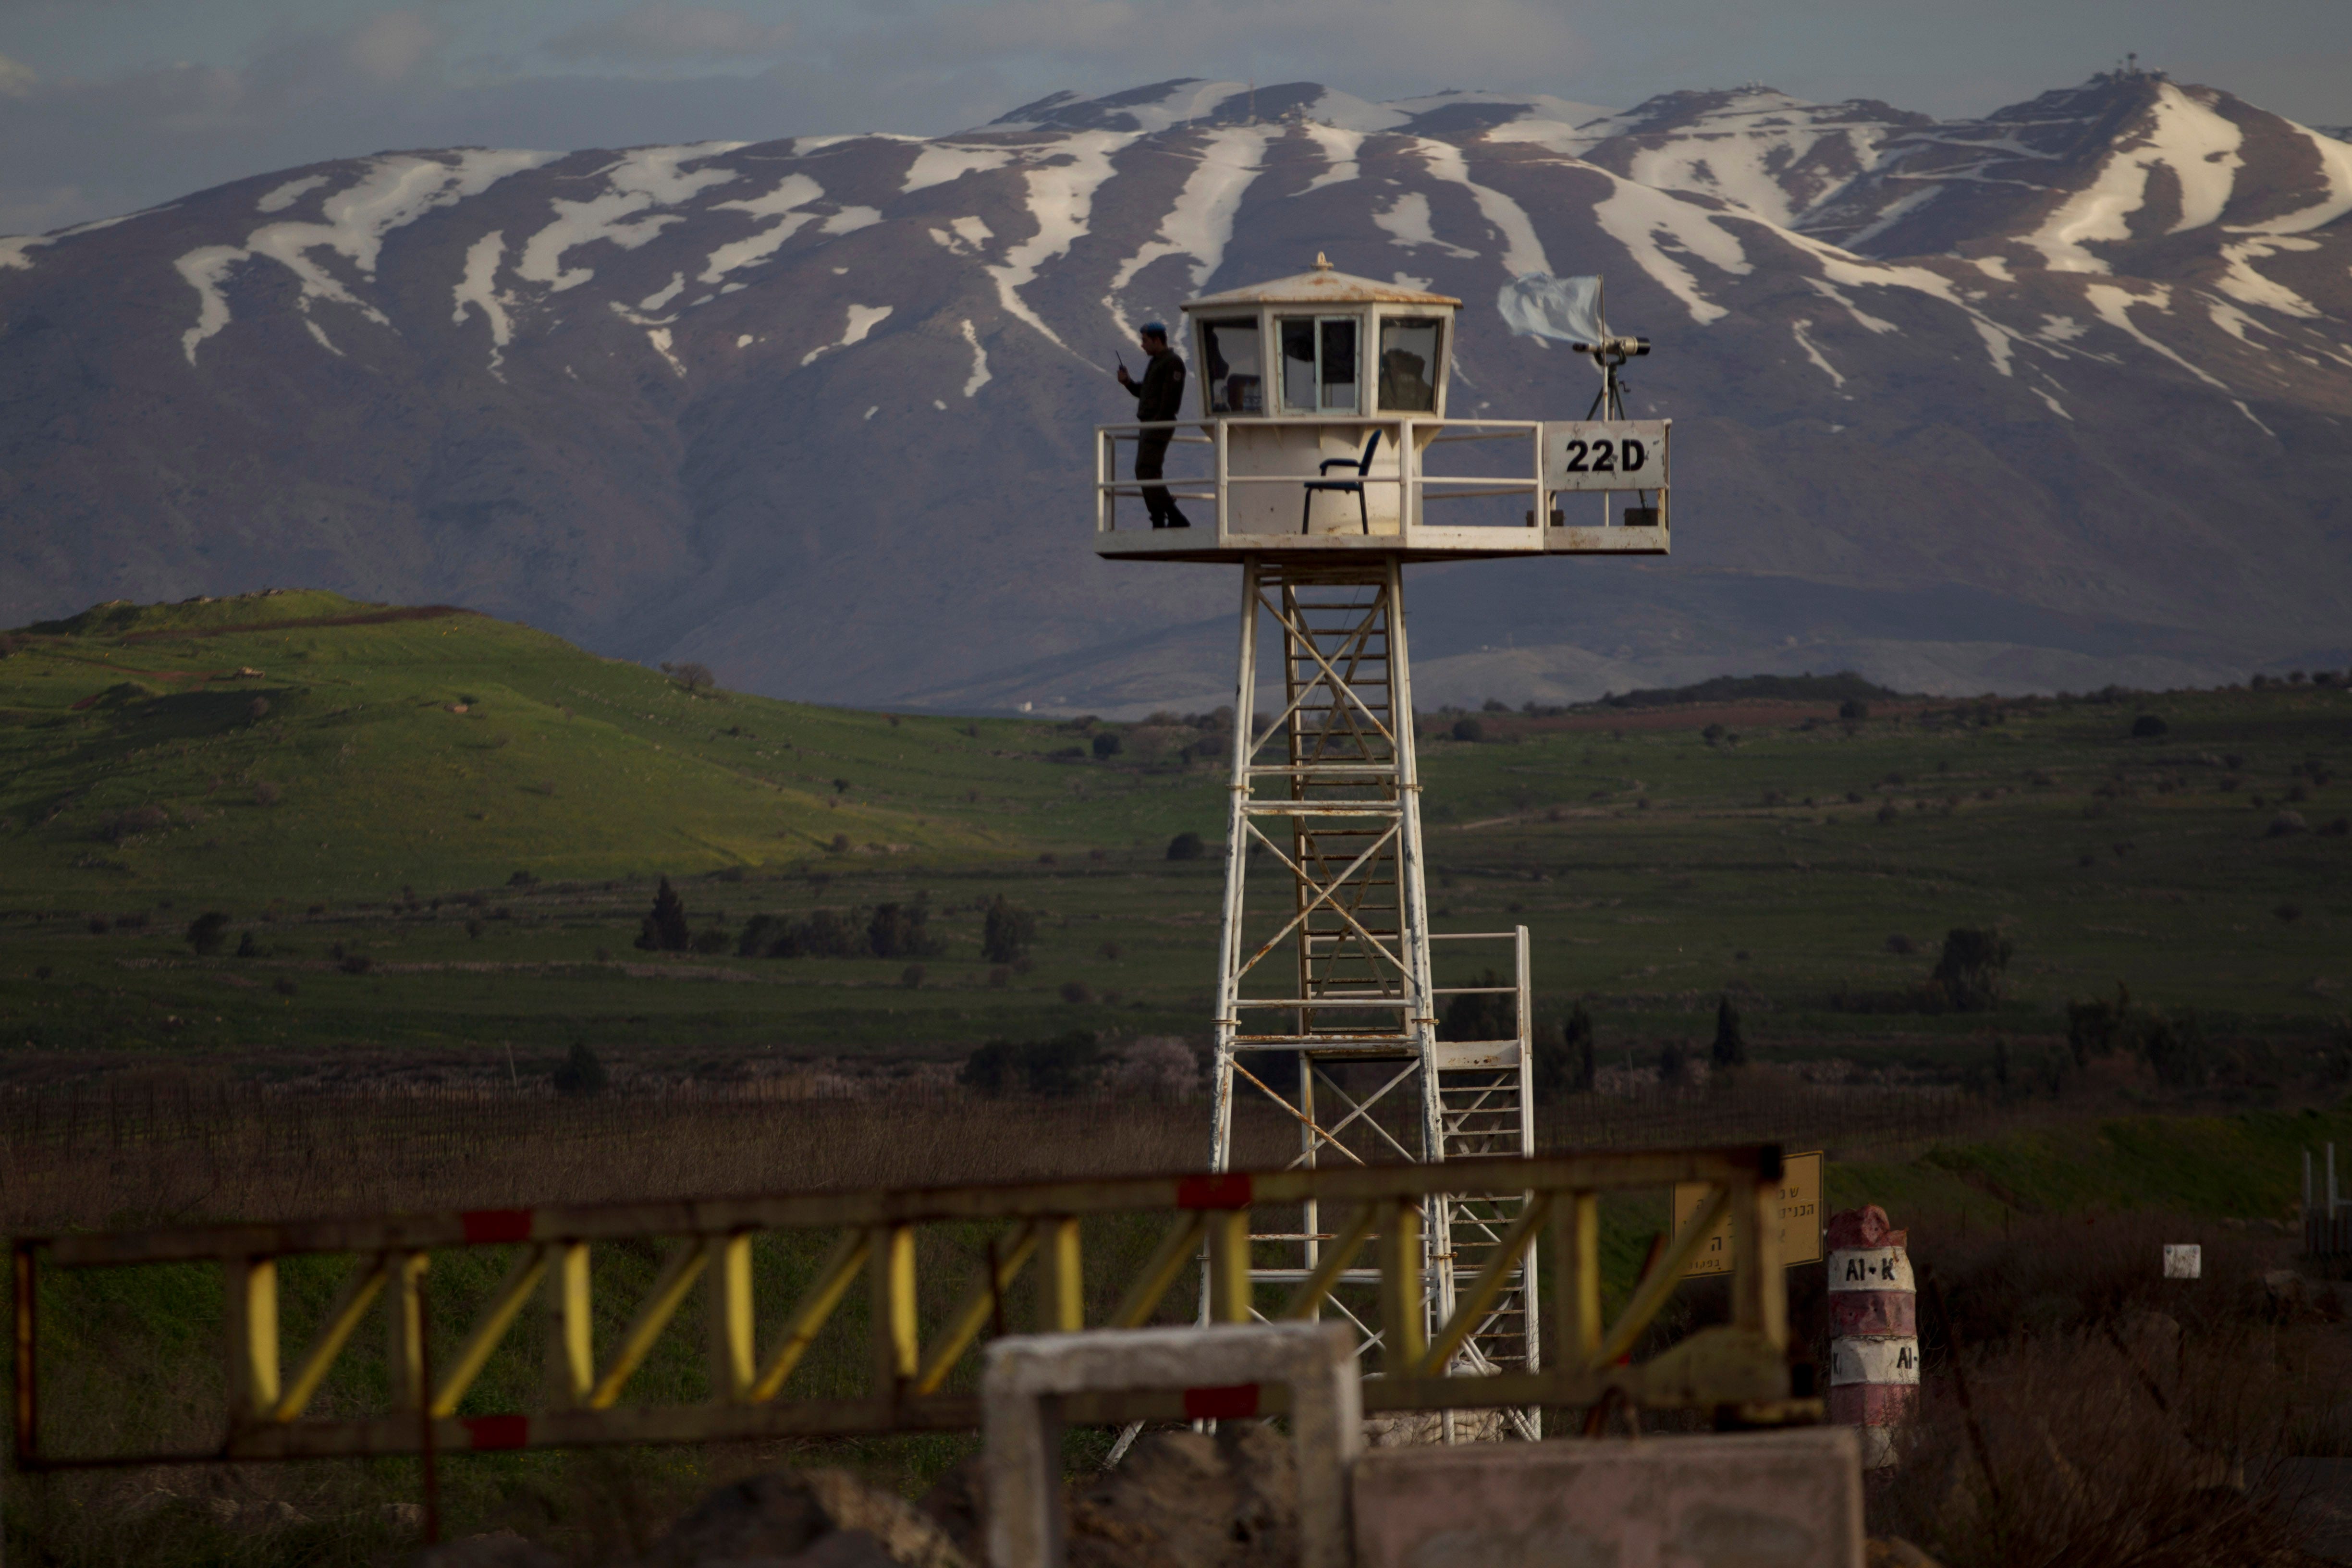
{"points": [[1801, 1218]]}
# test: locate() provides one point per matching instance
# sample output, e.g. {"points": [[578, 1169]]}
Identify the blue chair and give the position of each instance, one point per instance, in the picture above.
{"points": [[1363, 468]]}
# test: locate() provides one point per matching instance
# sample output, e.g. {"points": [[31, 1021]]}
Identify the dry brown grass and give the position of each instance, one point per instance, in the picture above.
{"points": [[129, 1152], [2081, 1410]]}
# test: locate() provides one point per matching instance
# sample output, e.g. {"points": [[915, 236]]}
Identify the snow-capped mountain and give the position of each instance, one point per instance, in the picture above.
{"points": [[2048, 399]]}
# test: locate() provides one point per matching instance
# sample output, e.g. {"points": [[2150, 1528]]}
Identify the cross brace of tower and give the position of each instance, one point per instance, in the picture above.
{"points": [[1327, 1008]]}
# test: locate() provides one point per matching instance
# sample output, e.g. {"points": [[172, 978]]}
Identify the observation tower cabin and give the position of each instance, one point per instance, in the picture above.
{"points": [[1322, 432]]}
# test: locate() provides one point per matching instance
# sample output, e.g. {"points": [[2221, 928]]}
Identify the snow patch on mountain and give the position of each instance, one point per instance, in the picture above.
{"points": [[1060, 198], [2189, 138], [1523, 253], [1813, 352], [1407, 218], [206, 270], [1201, 223], [1347, 113], [1640, 219], [980, 376], [642, 180], [862, 319], [277, 198], [940, 163], [1340, 145], [478, 288], [784, 204]]}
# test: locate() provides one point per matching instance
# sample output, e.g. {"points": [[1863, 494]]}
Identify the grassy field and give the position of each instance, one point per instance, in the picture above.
{"points": [[434, 835]]}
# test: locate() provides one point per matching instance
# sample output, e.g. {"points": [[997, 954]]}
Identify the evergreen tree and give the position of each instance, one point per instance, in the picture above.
{"points": [[1580, 1049], [1730, 1048], [1006, 931], [665, 930]]}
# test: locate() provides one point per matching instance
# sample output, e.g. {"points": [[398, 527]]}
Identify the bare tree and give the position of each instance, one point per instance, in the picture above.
{"points": [[693, 677]]}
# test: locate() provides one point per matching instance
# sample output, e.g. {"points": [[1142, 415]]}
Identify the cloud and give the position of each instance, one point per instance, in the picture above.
{"points": [[16, 79], [391, 45], [667, 32]]}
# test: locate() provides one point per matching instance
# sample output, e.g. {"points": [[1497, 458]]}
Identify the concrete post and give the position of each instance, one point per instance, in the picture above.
{"points": [[1875, 1321], [1219, 1368]]}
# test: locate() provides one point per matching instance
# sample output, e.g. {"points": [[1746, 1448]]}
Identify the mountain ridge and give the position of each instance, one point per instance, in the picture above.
{"points": [[771, 405]]}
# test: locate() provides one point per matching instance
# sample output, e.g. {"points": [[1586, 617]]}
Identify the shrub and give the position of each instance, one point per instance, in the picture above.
{"points": [[581, 1074], [1469, 730], [2288, 823], [258, 707], [712, 941], [246, 947], [358, 963], [99, 925], [1854, 710], [2148, 727], [998, 978], [1006, 931], [1482, 1014], [1184, 846], [1730, 1047], [474, 929], [284, 987], [827, 933], [1077, 993], [911, 977], [1564, 1057], [1107, 745], [692, 676], [2174, 1048], [1158, 1068], [1674, 1064], [209, 933], [1969, 973], [1901, 945], [2094, 1029], [139, 819], [903, 930], [1059, 1066], [840, 844], [664, 929]]}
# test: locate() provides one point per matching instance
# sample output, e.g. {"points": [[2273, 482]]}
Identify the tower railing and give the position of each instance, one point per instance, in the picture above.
{"points": [[1525, 471]]}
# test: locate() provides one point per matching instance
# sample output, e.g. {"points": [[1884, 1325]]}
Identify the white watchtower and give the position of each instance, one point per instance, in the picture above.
{"points": [[1325, 457]]}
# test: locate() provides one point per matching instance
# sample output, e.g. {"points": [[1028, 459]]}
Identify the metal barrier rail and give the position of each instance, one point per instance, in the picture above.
{"points": [[1741, 1364]]}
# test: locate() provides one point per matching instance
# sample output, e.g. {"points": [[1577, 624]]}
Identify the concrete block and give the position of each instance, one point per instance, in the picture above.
{"points": [[1025, 1375], [1761, 1499]]}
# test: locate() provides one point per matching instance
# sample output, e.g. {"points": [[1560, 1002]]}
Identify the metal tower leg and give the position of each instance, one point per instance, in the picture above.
{"points": [[1327, 1007]]}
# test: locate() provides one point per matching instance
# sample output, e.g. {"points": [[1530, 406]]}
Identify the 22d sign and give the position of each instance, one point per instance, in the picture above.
{"points": [[1605, 454]]}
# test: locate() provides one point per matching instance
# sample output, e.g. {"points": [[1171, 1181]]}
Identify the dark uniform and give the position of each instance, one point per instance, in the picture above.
{"points": [[1158, 396]]}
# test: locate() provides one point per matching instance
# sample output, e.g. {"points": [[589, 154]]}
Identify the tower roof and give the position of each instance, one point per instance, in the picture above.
{"points": [[1322, 286]]}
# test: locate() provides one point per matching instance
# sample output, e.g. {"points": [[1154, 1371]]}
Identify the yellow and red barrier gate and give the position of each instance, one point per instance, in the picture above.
{"points": [[751, 1355]]}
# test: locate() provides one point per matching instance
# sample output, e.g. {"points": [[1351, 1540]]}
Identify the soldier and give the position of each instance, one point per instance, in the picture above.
{"points": [[1158, 396]]}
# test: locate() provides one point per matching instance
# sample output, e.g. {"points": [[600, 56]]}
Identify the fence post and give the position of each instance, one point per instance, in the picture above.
{"points": [[1875, 1321]]}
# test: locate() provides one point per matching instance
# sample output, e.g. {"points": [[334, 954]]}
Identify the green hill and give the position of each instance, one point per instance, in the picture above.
{"points": [[300, 745], [425, 827]]}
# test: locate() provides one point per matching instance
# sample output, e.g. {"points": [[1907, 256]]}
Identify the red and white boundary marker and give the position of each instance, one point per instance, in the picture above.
{"points": [[1875, 1321]]}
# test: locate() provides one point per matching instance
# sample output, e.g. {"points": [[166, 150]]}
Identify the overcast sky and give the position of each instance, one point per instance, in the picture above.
{"points": [[107, 106]]}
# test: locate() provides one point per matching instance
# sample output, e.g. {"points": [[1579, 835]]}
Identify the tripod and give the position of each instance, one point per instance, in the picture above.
{"points": [[1609, 402]]}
